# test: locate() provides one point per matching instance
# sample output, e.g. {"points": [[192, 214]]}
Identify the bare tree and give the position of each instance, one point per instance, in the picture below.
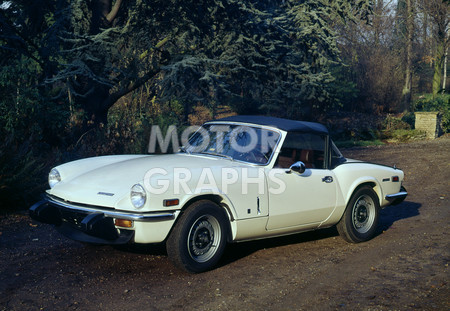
{"points": [[409, 29], [438, 11], [373, 59]]}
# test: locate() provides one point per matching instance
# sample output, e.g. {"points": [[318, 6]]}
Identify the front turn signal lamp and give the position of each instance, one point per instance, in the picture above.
{"points": [[124, 223]]}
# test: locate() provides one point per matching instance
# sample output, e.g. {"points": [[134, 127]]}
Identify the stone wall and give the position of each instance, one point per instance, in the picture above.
{"points": [[429, 122]]}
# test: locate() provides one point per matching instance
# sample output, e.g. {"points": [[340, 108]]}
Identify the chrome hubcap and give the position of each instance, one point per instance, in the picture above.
{"points": [[204, 237], [363, 214]]}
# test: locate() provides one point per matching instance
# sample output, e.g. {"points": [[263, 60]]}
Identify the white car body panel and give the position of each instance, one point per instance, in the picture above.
{"points": [[308, 202], [300, 204]]}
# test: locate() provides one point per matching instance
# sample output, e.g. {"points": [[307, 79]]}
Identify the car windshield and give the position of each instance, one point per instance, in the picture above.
{"points": [[236, 142]]}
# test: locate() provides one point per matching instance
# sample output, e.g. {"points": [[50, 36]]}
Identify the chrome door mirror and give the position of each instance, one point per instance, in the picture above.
{"points": [[298, 167]]}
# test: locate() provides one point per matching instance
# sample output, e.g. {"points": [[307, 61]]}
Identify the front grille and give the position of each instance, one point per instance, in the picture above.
{"points": [[72, 217]]}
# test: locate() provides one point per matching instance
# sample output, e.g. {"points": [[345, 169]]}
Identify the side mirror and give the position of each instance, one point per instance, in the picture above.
{"points": [[298, 167]]}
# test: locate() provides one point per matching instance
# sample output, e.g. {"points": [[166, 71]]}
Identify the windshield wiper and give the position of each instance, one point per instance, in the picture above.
{"points": [[185, 150], [218, 155]]}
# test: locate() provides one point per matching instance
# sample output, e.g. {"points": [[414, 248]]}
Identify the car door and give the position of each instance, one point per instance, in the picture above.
{"points": [[301, 200]]}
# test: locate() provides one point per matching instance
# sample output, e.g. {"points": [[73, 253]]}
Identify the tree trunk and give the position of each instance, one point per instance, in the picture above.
{"points": [[438, 11], [444, 80], [409, 20], [100, 9], [99, 98], [103, 14], [377, 22], [438, 65]]}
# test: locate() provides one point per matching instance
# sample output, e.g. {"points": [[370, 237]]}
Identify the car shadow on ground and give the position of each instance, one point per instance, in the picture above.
{"points": [[237, 251], [143, 249], [388, 216], [394, 213]]}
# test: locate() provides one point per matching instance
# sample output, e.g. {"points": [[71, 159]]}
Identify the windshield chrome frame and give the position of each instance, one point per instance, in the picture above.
{"points": [[275, 130]]}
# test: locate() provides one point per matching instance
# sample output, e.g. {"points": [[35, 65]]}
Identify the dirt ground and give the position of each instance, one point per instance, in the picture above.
{"points": [[405, 267]]}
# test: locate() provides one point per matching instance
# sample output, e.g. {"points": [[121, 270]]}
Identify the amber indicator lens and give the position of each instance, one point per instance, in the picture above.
{"points": [[123, 223], [171, 202]]}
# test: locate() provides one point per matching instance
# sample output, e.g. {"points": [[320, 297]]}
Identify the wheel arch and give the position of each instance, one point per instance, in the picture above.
{"points": [[371, 182], [222, 202]]}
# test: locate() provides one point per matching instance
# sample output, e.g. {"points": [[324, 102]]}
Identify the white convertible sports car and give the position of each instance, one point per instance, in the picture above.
{"points": [[238, 178]]}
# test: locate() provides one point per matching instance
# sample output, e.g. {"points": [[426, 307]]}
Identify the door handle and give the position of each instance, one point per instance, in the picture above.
{"points": [[327, 179]]}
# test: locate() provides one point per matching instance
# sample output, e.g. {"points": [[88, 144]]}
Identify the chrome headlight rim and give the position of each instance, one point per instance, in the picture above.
{"points": [[138, 196], [54, 177]]}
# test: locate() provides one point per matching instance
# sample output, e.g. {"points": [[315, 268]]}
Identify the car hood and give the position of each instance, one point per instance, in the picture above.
{"points": [[106, 185]]}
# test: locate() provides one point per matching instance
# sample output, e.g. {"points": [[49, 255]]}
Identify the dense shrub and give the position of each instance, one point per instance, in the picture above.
{"points": [[399, 129], [23, 174], [353, 126], [394, 123], [402, 136], [363, 129], [409, 118]]}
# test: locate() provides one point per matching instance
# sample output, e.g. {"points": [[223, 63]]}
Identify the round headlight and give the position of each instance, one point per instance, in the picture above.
{"points": [[138, 196], [53, 177]]}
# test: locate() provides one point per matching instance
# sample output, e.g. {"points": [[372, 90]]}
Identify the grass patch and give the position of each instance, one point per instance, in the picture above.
{"points": [[358, 143], [402, 136]]}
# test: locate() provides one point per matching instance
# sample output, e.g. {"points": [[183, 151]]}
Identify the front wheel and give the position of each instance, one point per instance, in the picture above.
{"points": [[199, 237], [360, 218]]}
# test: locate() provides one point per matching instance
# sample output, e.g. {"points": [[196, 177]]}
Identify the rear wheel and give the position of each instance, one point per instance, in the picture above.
{"points": [[360, 218], [199, 237]]}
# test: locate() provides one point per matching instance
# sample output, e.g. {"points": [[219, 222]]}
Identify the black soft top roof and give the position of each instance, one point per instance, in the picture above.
{"points": [[282, 124]]}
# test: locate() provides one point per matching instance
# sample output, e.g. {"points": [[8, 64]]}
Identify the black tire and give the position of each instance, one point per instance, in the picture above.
{"points": [[199, 237], [360, 219]]}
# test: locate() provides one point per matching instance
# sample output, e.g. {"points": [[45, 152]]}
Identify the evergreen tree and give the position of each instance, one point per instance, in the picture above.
{"points": [[28, 56], [257, 55]]}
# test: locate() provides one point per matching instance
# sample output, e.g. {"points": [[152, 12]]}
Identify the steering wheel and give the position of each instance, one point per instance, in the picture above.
{"points": [[256, 156]]}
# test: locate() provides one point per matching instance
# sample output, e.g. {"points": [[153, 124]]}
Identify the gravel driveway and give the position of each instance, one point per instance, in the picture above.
{"points": [[405, 267]]}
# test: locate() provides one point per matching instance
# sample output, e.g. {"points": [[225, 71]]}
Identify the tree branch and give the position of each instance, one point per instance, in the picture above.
{"points": [[109, 102], [115, 9], [24, 39]]}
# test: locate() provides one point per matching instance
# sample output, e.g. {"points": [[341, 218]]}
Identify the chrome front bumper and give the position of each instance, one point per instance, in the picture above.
{"points": [[109, 212], [91, 224]]}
